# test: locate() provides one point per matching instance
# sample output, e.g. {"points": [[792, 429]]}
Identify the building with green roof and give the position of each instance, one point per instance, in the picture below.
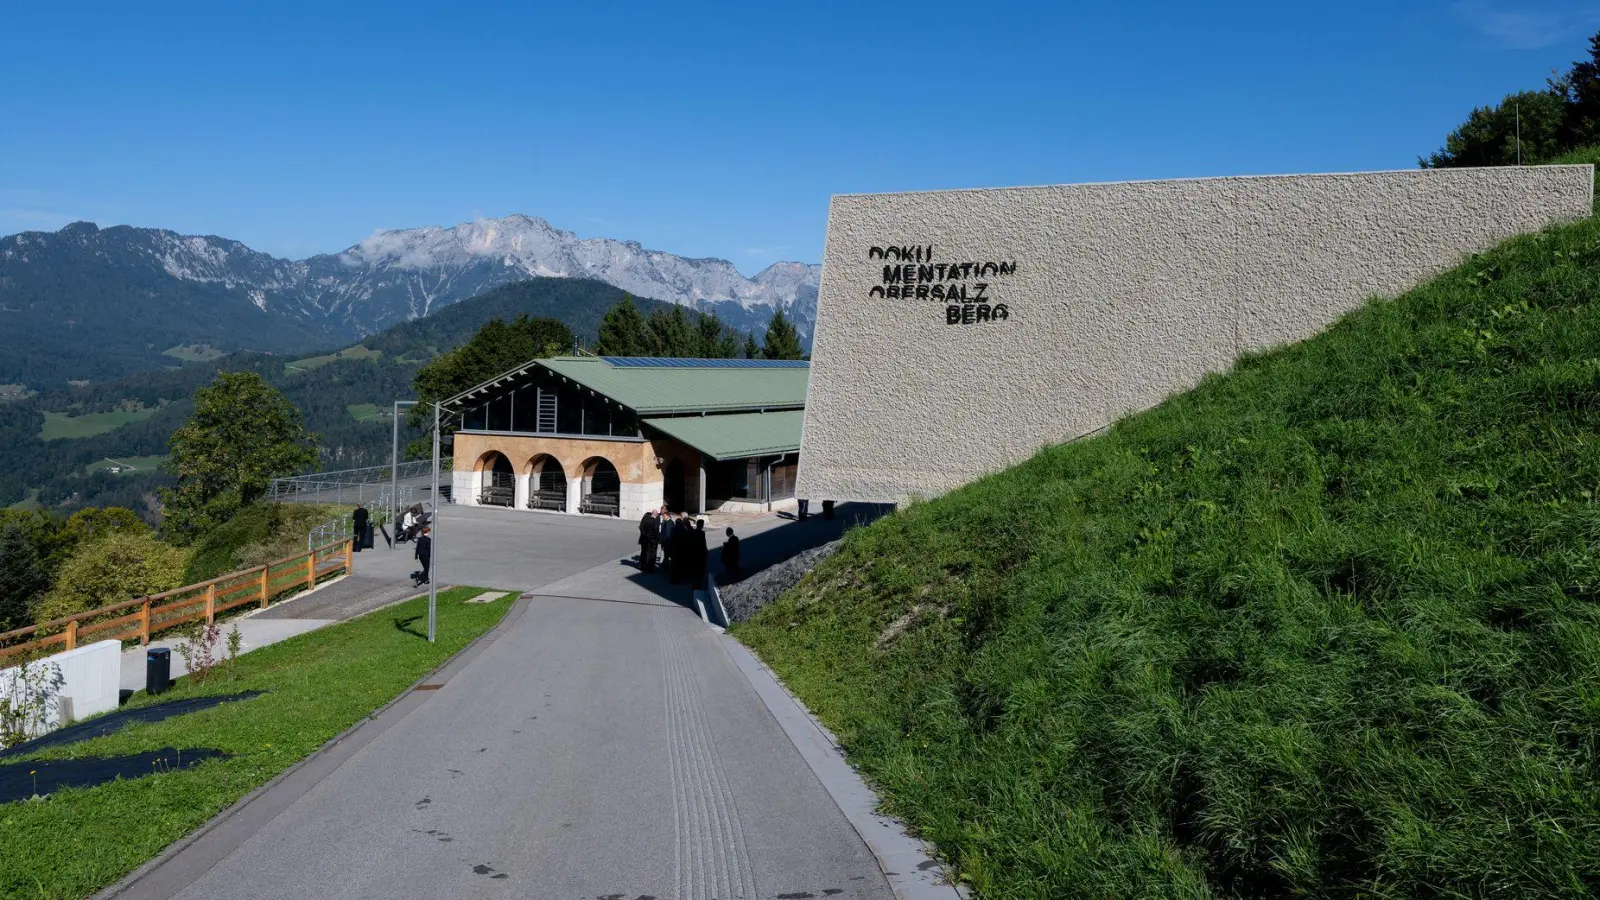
{"points": [[619, 435]]}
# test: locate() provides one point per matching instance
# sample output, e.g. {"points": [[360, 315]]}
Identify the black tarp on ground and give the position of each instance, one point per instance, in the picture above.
{"points": [[110, 722], [21, 780]]}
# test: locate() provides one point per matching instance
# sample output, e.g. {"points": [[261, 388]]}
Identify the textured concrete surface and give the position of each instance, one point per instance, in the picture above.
{"points": [[1121, 295], [254, 633], [601, 742]]}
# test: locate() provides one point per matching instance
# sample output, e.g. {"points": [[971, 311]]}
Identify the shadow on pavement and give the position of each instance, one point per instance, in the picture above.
{"points": [[793, 537]]}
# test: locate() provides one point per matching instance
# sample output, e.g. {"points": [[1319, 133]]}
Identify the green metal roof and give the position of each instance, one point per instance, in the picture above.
{"points": [[736, 435], [685, 389]]}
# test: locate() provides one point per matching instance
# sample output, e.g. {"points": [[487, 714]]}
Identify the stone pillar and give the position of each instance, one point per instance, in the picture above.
{"points": [[521, 501], [636, 498], [463, 487], [574, 493]]}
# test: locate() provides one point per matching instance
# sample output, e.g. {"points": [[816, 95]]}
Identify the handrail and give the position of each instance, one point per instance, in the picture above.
{"points": [[304, 568]]}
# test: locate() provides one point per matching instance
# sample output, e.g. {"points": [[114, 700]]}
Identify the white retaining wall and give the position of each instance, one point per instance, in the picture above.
{"points": [[92, 677]]}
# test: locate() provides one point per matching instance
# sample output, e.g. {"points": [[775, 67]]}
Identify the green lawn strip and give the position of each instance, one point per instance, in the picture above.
{"points": [[363, 412], [359, 351], [193, 352], [1326, 626], [140, 464], [59, 425], [318, 684]]}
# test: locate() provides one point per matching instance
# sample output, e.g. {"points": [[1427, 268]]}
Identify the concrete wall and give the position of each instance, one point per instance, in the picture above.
{"points": [[1086, 302], [90, 682]]}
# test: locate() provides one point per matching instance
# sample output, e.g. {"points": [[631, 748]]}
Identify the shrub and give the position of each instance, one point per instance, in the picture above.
{"points": [[111, 569]]}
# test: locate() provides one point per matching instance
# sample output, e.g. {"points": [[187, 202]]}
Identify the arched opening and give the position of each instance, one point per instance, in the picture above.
{"points": [[547, 484], [497, 480], [674, 488], [602, 488]]}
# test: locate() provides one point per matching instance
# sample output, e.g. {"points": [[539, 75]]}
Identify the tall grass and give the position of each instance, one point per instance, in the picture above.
{"points": [[1328, 625]]}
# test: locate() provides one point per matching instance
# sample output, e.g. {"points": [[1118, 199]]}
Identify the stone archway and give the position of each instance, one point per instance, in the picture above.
{"points": [[547, 484], [601, 487], [496, 481]]}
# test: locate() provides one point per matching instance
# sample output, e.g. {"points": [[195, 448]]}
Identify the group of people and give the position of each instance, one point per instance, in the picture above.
{"points": [[681, 543]]}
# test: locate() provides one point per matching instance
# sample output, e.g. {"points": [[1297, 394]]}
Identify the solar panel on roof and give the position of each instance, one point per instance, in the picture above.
{"points": [[662, 362]]}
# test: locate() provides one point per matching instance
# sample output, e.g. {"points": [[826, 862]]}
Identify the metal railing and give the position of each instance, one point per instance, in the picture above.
{"points": [[366, 485]]}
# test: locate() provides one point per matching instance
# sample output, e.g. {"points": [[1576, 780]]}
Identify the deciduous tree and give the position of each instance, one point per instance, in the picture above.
{"points": [[243, 434]]}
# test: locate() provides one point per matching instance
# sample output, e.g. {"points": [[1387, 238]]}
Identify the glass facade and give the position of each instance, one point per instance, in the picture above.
{"points": [[546, 405]]}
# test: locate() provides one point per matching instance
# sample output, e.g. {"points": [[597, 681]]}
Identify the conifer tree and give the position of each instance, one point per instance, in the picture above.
{"points": [[23, 578], [783, 342], [623, 331]]}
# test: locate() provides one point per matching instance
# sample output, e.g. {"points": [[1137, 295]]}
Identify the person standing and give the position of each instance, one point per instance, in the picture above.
{"points": [[699, 555], [682, 552], [649, 533], [827, 510], [805, 507], [730, 555], [359, 520], [665, 536], [424, 553]]}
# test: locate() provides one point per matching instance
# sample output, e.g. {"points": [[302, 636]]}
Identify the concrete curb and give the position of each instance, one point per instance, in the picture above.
{"points": [[910, 868], [346, 743]]}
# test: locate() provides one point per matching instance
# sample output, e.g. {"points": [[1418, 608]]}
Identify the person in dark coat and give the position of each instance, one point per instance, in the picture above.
{"points": [[730, 555], [424, 553], [682, 562], [359, 520], [699, 553], [649, 534], [664, 536]]}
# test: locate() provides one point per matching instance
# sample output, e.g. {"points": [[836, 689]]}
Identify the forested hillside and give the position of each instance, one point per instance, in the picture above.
{"points": [[345, 397]]}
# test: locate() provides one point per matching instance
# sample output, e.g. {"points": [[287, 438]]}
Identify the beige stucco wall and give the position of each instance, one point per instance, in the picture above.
{"points": [[1122, 295], [642, 479]]}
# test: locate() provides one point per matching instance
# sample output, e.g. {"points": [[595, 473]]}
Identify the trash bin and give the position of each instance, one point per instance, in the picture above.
{"points": [[157, 670], [366, 536]]}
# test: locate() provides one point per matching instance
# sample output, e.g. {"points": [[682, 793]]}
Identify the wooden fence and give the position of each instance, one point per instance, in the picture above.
{"points": [[143, 616]]}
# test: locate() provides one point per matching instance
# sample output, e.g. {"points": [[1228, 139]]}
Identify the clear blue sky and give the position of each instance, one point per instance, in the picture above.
{"points": [[709, 130]]}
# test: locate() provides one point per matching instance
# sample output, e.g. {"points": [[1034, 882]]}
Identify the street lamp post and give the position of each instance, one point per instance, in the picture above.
{"points": [[394, 467], [433, 567]]}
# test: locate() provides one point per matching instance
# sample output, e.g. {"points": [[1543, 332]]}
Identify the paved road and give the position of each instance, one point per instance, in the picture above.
{"points": [[601, 744]]}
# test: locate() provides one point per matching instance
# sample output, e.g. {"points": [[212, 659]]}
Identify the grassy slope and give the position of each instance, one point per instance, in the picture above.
{"points": [[1329, 624], [141, 464], [60, 425], [317, 685], [358, 351], [259, 534]]}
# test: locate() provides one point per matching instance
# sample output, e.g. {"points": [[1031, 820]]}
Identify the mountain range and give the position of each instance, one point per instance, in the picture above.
{"points": [[86, 303]]}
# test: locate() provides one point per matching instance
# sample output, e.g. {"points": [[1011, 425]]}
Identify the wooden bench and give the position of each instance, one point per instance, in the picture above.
{"points": [[548, 499], [607, 503], [497, 495]]}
